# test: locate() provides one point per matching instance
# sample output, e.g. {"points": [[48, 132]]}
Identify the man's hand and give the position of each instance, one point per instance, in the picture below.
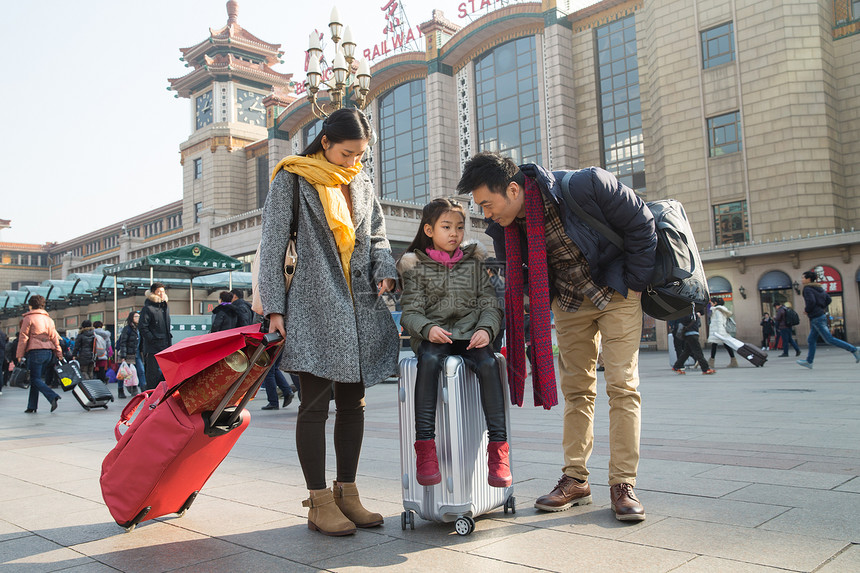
{"points": [[385, 285], [439, 335], [635, 293], [276, 324], [479, 340]]}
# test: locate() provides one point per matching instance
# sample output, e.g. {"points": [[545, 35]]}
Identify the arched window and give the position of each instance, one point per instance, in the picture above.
{"points": [[506, 98], [310, 132], [403, 143]]}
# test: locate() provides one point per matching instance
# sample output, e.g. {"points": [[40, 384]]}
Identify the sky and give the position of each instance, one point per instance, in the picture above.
{"points": [[92, 134]]}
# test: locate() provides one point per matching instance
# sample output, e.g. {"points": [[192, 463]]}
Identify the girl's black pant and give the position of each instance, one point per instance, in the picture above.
{"points": [[431, 359]]}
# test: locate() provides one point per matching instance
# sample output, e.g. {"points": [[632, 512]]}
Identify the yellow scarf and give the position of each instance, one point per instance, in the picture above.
{"points": [[327, 178]]}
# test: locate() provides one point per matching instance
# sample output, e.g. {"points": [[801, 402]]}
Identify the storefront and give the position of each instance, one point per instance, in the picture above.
{"points": [[774, 287], [720, 287]]}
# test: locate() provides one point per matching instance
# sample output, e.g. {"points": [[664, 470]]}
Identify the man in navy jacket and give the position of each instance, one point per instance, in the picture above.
{"points": [[595, 289]]}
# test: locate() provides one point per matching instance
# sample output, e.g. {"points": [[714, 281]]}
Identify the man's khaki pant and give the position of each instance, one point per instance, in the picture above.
{"points": [[620, 325]]}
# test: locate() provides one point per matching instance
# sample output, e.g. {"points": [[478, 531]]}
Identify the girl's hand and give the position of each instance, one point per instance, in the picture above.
{"points": [[385, 285], [276, 323], [479, 340], [439, 335]]}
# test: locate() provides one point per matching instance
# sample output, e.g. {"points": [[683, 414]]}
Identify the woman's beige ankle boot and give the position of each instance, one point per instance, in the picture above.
{"points": [[346, 498], [710, 362], [733, 363], [325, 516]]}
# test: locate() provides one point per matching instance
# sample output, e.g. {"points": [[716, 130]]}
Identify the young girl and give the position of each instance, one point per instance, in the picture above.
{"points": [[450, 307]]}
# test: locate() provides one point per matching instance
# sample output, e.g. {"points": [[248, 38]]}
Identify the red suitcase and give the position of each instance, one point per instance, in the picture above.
{"points": [[166, 455]]}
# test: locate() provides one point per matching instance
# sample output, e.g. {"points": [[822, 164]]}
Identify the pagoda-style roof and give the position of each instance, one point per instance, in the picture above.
{"points": [[230, 52]]}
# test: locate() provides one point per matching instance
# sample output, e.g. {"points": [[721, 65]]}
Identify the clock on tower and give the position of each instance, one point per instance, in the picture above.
{"points": [[204, 112], [250, 108]]}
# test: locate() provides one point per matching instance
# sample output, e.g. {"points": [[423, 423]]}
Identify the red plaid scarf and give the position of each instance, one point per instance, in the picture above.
{"points": [[543, 372]]}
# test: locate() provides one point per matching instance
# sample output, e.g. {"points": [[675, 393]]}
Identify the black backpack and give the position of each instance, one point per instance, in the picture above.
{"points": [[678, 286], [791, 317]]}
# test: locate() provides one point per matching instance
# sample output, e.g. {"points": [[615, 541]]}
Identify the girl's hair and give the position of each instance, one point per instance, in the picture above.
{"points": [[36, 301], [345, 124], [130, 319], [431, 213], [718, 301], [810, 275]]}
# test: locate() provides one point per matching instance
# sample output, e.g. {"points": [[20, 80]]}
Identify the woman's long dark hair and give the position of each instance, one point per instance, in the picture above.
{"points": [[431, 213], [345, 124], [129, 321]]}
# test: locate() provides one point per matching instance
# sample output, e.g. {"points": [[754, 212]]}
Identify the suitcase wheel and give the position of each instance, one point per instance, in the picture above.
{"points": [[129, 526], [511, 504], [407, 518], [87, 408], [464, 525], [181, 511]]}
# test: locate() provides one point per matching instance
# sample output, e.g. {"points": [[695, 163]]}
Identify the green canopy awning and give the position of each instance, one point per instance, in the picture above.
{"points": [[183, 262], [13, 298], [58, 289]]}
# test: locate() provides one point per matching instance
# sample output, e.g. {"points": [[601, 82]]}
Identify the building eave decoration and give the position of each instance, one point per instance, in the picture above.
{"points": [[227, 66], [603, 13], [226, 54], [213, 143], [396, 70], [518, 20], [234, 36]]}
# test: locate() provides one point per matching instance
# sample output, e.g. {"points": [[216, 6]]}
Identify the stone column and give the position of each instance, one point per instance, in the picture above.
{"points": [[557, 62], [442, 128]]}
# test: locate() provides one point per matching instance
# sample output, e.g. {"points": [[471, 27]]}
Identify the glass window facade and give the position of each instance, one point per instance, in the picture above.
{"points": [[724, 134], [403, 143], [718, 45], [620, 107], [730, 223], [198, 168], [310, 132], [507, 100], [855, 9]]}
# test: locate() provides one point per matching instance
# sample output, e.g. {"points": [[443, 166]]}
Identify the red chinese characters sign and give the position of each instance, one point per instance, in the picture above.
{"points": [[829, 278]]}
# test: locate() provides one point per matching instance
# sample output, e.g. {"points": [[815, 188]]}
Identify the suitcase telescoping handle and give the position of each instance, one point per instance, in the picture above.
{"points": [[268, 340]]}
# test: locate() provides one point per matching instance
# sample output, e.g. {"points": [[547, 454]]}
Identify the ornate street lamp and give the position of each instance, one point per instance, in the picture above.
{"points": [[346, 73]]}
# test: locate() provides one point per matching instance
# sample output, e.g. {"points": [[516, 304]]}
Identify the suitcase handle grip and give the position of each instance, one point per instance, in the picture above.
{"points": [[129, 410]]}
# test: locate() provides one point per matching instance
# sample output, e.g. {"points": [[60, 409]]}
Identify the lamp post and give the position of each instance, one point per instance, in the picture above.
{"points": [[346, 73]]}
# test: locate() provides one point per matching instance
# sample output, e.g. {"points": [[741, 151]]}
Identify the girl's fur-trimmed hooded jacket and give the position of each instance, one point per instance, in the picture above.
{"points": [[461, 299]]}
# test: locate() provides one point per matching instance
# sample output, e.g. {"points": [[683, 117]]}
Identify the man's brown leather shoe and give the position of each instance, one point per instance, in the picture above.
{"points": [[567, 493], [625, 504]]}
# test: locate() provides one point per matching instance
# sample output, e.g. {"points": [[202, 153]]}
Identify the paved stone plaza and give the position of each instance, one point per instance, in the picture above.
{"points": [[750, 470]]}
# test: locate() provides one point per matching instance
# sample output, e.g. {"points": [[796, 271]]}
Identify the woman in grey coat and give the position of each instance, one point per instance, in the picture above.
{"points": [[339, 334]]}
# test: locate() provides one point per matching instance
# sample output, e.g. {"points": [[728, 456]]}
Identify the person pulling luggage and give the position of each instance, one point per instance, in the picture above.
{"points": [[38, 341], [450, 308]]}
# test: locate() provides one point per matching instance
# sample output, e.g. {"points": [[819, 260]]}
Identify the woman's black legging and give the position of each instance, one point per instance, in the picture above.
{"points": [[431, 358], [310, 428], [714, 350]]}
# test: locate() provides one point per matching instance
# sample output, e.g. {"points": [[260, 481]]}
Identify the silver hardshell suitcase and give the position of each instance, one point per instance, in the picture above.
{"points": [[461, 444]]}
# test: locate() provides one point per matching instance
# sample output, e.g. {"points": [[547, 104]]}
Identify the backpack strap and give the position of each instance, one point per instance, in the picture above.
{"points": [[601, 228]]}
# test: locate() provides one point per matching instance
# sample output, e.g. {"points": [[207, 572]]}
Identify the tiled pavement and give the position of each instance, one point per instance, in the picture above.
{"points": [[750, 470]]}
